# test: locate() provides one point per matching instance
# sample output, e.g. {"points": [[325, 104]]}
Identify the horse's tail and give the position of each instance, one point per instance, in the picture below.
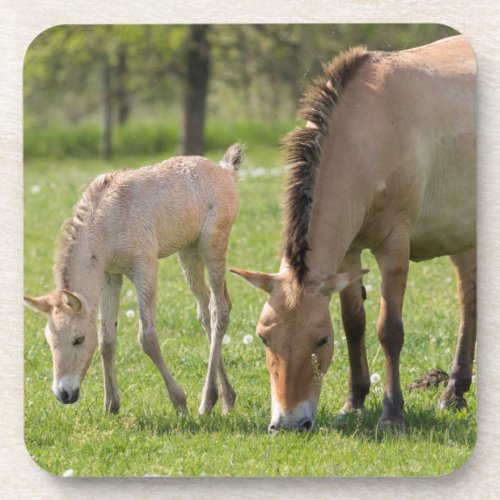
{"points": [[233, 158]]}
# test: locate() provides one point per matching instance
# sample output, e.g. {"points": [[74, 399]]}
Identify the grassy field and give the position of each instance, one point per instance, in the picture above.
{"points": [[148, 438]]}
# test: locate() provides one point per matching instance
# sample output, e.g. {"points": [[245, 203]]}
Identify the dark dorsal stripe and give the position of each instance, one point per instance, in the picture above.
{"points": [[303, 150]]}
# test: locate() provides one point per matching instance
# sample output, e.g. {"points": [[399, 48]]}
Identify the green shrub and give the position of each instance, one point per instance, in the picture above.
{"points": [[139, 139]]}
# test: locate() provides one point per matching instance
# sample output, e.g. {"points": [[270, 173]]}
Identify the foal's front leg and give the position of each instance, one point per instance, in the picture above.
{"points": [[144, 279], [110, 301]]}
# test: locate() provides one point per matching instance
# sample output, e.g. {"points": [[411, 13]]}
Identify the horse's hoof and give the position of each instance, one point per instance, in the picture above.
{"points": [[394, 425], [454, 403], [350, 408]]}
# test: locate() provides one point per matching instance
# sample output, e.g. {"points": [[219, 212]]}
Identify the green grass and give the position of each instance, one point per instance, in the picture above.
{"points": [[147, 437]]}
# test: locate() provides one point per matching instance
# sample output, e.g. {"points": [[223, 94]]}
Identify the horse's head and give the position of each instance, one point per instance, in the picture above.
{"points": [[72, 335], [296, 329]]}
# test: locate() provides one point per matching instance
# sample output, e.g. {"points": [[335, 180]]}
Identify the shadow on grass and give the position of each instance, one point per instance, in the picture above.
{"points": [[431, 424], [442, 427]]}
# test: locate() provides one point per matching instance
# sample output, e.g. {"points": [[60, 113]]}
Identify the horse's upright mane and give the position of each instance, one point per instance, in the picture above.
{"points": [[302, 153]]}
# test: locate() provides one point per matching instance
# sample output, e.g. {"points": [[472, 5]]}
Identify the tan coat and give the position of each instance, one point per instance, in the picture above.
{"points": [[386, 161], [124, 222]]}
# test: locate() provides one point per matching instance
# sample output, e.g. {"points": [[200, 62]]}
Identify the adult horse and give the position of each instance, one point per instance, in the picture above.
{"points": [[386, 161]]}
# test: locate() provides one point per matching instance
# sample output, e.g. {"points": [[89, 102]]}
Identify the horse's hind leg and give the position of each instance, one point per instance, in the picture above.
{"points": [[193, 267], [110, 301], [461, 371], [144, 278], [214, 256], [353, 319]]}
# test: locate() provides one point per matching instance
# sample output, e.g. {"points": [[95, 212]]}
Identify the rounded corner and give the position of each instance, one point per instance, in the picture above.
{"points": [[465, 37], [459, 469], [35, 461], [37, 37]]}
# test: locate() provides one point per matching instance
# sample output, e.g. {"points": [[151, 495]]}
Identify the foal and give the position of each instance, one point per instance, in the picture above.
{"points": [[124, 222]]}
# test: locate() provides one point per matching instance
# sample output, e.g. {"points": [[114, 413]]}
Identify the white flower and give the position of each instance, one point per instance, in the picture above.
{"points": [[129, 294], [35, 189], [248, 339], [130, 313], [375, 378], [226, 339], [68, 473]]}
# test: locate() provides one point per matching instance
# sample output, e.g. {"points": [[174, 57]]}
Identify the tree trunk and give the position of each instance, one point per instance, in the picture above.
{"points": [[107, 111], [122, 96], [196, 86]]}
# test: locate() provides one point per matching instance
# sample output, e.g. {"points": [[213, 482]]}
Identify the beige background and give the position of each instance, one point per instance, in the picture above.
{"points": [[22, 20]]}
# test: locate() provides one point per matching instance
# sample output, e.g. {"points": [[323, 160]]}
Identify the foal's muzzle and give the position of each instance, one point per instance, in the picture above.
{"points": [[67, 397], [67, 389]]}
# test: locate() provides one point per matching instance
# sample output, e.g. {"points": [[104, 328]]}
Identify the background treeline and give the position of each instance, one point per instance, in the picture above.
{"points": [[139, 90]]}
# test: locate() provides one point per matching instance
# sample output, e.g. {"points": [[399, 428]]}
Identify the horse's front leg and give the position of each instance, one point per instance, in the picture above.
{"points": [[393, 260], [144, 278], [109, 304], [461, 371], [353, 319]]}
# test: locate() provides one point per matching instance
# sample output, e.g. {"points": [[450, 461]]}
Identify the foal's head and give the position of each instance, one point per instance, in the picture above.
{"points": [[296, 329], [72, 335]]}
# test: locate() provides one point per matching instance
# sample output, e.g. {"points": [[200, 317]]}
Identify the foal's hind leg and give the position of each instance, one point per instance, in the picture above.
{"points": [[110, 301], [220, 308], [193, 267], [461, 371], [144, 278], [353, 319]]}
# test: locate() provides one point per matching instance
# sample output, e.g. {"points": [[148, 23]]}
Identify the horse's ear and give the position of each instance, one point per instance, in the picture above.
{"points": [[40, 304], [71, 300], [338, 282], [263, 281]]}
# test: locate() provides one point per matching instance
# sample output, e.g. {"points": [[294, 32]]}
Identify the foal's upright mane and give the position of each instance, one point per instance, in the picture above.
{"points": [[303, 150], [73, 229]]}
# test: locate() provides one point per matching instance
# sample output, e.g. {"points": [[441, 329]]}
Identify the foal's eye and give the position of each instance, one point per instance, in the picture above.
{"points": [[322, 342], [79, 340], [264, 340]]}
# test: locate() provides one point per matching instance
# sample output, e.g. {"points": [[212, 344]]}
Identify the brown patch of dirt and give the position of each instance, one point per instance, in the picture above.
{"points": [[432, 378]]}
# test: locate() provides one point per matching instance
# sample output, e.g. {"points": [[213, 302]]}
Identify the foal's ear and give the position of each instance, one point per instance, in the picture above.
{"points": [[263, 281], [71, 300], [338, 282], [40, 304]]}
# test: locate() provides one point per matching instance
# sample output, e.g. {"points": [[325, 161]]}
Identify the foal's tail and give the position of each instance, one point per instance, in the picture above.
{"points": [[233, 158]]}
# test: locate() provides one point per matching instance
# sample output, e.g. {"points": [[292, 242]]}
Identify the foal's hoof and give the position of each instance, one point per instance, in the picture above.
{"points": [[208, 400], [394, 425], [179, 402], [227, 402], [111, 407]]}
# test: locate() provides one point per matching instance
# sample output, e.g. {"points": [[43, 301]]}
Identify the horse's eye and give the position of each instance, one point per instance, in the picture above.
{"points": [[261, 337], [79, 340], [322, 342]]}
